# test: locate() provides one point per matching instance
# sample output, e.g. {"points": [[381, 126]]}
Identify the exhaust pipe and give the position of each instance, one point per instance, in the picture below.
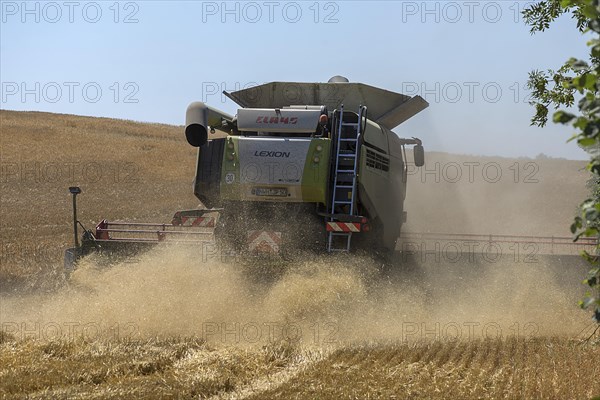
{"points": [[196, 119], [199, 119]]}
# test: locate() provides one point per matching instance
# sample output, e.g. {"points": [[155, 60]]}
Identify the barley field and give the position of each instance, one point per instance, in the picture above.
{"points": [[176, 323]]}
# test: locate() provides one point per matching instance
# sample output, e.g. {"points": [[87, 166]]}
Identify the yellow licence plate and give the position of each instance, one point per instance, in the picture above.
{"points": [[281, 192]]}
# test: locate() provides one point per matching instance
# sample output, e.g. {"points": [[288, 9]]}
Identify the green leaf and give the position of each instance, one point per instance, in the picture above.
{"points": [[593, 281], [589, 11], [591, 214], [566, 3], [575, 136], [573, 228], [591, 81], [595, 272], [578, 65], [585, 142], [579, 82], [562, 117], [581, 123]]}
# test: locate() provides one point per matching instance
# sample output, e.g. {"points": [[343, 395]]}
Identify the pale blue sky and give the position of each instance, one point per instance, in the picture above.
{"points": [[458, 55]]}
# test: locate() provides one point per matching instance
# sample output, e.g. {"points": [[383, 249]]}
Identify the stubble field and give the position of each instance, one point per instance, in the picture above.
{"points": [[176, 324]]}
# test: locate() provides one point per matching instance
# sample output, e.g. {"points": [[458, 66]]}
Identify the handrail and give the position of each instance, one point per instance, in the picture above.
{"points": [[554, 239]]}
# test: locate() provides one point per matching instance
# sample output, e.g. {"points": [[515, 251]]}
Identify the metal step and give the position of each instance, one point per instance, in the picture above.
{"points": [[345, 240]]}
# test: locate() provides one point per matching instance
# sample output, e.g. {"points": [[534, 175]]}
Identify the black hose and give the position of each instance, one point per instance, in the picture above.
{"points": [[365, 117]]}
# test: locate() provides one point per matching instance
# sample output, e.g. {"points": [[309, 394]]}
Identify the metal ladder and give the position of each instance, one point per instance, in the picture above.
{"points": [[344, 184]]}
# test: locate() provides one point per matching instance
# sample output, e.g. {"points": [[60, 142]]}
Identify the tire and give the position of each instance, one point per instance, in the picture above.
{"points": [[208, 174]]}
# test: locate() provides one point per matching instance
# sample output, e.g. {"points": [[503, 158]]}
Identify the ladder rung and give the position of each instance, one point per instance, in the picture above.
{"points": [[340, 233], [345, 158]]}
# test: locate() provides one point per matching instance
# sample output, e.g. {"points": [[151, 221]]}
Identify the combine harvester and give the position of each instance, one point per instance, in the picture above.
{"points": [[301, 166]]}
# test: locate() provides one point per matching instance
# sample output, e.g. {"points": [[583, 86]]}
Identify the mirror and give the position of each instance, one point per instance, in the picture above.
{"points": [[419, 155]]}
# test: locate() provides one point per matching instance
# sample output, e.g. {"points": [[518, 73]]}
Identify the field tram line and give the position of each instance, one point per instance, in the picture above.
{"points": [[302, 362]]}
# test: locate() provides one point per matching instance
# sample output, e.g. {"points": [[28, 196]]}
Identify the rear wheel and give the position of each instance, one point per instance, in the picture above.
{"points": [[372, 241]]}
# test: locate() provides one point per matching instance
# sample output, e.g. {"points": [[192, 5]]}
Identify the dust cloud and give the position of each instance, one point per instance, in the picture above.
{"points": [[319, 300], [494, 195], [328, 300]]}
